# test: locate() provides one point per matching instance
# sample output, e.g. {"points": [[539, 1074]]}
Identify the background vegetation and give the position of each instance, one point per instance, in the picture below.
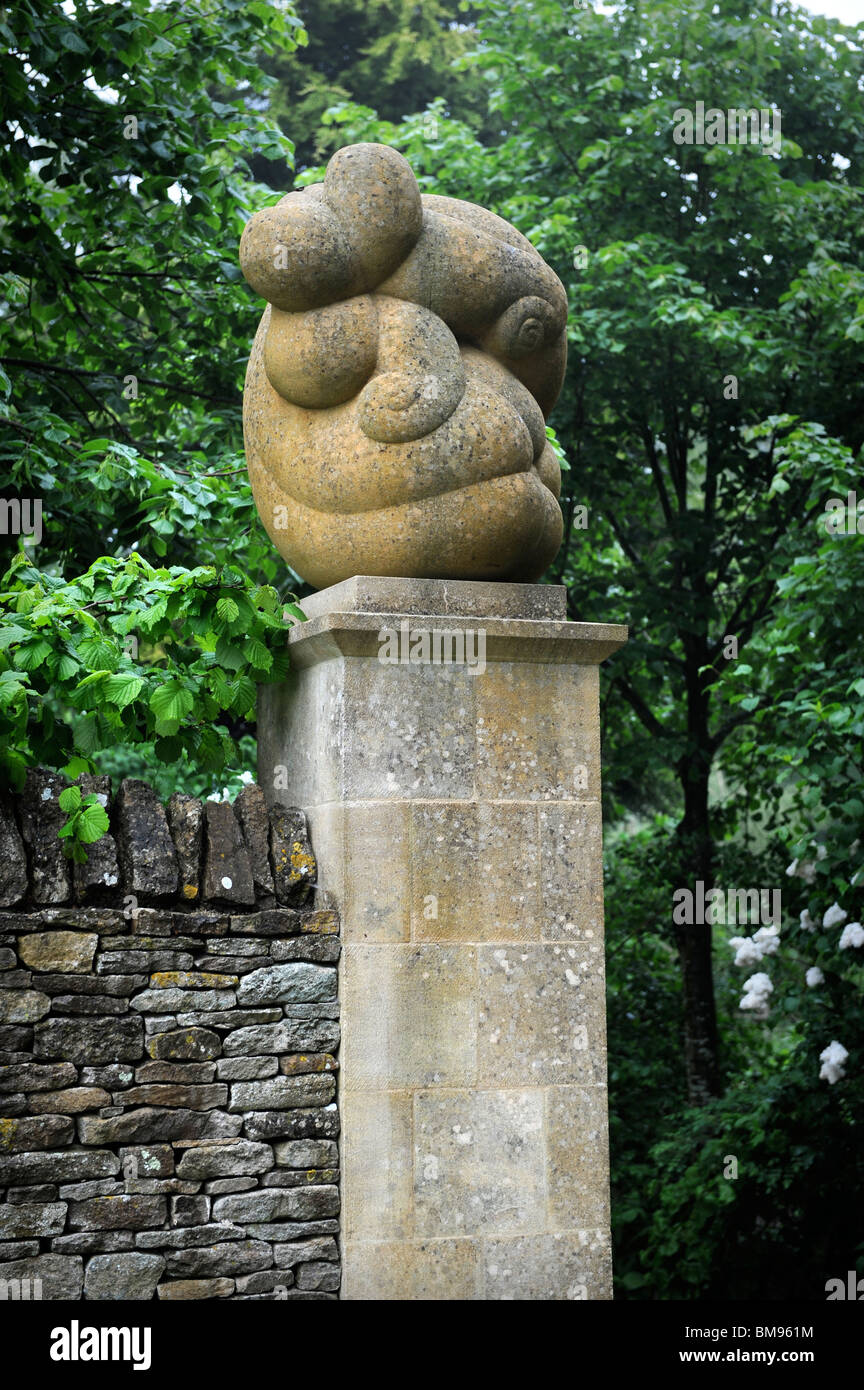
{"points": [[714, 403]]}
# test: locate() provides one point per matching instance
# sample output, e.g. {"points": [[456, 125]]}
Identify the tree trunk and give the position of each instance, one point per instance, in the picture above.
{"points": [[695, 861]]}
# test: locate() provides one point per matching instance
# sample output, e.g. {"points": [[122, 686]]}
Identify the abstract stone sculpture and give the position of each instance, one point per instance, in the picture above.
{"points": [[396, 394]]}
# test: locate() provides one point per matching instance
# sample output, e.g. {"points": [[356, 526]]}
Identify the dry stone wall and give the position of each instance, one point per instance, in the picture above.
{"points": [[168, 1053]]}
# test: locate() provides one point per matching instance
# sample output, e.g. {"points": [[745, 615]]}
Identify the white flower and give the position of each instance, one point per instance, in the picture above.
{"points": [[832, 1058], [821, 852], [757, 990], [768, 938], [746, 951], [792, 869], [834, 916], [246, 778], [750, 950], [853, 935], [807, 871], [807, 923], [814, 976]]}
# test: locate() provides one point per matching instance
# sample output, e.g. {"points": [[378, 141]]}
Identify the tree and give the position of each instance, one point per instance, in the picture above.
{"points": [[124, 329], [713, 288], [397, 56]]}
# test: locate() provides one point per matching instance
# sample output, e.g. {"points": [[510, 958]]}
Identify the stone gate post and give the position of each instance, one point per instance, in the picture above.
{"points": [[454, 809]]}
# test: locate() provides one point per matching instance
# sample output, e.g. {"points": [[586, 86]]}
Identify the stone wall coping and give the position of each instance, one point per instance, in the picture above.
{"points": [[333, 634]]}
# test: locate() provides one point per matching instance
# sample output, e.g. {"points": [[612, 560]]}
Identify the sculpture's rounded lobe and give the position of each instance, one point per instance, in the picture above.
{"points": [[395, 401]]}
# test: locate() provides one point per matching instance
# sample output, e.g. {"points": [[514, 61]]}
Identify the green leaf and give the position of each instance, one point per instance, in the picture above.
{"points": [[171, 701], [70, 799], [122, 689]]}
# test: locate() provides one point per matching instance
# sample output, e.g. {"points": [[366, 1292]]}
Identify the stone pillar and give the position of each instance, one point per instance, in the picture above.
{"points": [[455, 815]]}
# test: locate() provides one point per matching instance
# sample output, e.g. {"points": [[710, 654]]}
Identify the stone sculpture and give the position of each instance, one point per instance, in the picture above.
{"points": [[397, 389]]}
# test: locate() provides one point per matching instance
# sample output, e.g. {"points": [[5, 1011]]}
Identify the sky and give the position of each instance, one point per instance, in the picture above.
{"points": [[847, 11]]}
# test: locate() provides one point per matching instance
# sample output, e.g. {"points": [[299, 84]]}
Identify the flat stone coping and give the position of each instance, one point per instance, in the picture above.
{"points": [[465, 598], [507, 639]]}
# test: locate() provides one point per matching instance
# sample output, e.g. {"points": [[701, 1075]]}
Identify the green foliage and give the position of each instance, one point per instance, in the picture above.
{"points": [[130, 654], [398, 56], [124, 330]]}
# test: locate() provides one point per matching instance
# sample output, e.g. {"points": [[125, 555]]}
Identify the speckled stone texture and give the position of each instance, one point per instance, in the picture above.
{"points": [[395, 401], [455, 815], [168, 1120]]}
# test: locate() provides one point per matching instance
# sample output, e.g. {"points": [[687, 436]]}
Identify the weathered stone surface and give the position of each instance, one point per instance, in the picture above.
{"points": [[302, 1251], [191, 979], [147, 1125], [250, 809], [16, 1042], [180, 1097], [292, 1035], [112, 1077], [69, 1165], [83, 1191], [100, 986], [13, 859], [291, 855], [41, 822], [312, 1177], [289, 1230], [176, 1073], [230, 1019], [97, 880], [71, 1102], [16, 979], [266, 1281], [7, 959], [300, 1063], [31, 1219], [43, 1192], [218, 1187], [31, 1076], [133, 961], [351, 362], [234, 1257], [240, 1158], [181, 1290], [94, 1242], [297, 981], [17, 1250], [282, 1093], [148, 1160], [61, 1276], [190, 1210], [277, 921], [170, 1001], [131, 1276], [186, 821], [193, 1044], [90, 1042], [215, 1232], [227, 870], [298, 1204], [146, 851], [246, 1068], [307, 1153], [318, 1275], [88, 1006], [292, 1124], [23, 1005], [42, 1132], [120, 1213], [324, 950]]}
